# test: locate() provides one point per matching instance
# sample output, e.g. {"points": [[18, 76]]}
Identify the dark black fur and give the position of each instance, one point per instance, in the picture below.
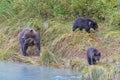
{"points": [[85, 23], [93, 55], [29, 37]]}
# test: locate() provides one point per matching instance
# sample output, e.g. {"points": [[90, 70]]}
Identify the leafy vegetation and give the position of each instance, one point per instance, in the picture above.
{"points": [[60, 46]]}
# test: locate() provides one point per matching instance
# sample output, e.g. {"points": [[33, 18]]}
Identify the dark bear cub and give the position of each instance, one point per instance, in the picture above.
{"points": [[93, 55], [29, 37], [85, 23]]}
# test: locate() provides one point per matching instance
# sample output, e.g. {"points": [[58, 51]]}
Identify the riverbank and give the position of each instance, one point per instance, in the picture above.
{"points": [[60, 46]]}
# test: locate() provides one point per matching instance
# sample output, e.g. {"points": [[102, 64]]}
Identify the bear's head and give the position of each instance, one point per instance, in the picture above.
{"points": [[29, 33], [93, 25], [97, 55], [74, 28]]}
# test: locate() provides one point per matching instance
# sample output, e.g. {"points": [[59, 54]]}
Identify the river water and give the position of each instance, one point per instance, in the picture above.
{"points": [[14, 71]]}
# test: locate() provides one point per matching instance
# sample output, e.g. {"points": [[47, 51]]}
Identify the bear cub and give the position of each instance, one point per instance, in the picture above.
{"points": [[93, 56]]}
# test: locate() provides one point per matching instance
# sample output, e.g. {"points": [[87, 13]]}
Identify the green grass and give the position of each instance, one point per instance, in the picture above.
{"points": [[60, 47]]}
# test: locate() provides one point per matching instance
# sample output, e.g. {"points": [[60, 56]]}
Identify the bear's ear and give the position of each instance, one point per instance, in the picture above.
{"points": [[31, 30]]}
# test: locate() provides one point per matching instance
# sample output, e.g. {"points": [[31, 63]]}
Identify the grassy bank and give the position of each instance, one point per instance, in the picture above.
{"points": [[60, 46]]}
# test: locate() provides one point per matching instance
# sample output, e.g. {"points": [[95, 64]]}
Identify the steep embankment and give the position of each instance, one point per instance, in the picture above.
{"points": [[60, 47]]}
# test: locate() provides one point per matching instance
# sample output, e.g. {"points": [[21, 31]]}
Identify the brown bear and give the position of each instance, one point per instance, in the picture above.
{"points": [[29, 37]]}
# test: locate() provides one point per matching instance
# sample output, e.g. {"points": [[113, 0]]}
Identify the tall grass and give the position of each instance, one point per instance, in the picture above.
{"points": [[60, 46], [56, 8]]}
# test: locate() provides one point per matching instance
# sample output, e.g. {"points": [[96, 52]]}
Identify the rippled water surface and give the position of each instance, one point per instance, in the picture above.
{"points": [[13, 71]]}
